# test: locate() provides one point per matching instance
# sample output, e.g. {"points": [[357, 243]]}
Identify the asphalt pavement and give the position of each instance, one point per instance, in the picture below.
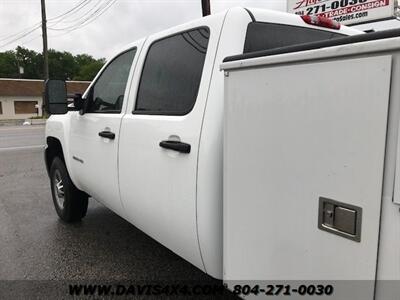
{"points": [[36, 245]]}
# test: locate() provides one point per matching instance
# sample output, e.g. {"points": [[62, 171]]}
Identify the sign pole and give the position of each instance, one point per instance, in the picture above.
{"points": [[205, 5]]}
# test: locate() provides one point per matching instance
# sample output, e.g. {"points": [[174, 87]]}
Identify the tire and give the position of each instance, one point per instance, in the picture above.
{"points": [[70, 203]]}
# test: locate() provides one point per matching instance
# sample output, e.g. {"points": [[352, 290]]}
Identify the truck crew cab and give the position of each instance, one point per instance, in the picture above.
{"points": [[146, 138]]}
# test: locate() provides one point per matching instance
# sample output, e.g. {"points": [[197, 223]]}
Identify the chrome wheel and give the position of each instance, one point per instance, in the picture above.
{"points": [[58, 189]]}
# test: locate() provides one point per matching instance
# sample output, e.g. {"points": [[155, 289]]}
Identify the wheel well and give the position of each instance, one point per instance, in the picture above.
{"points": [[53, 150]]}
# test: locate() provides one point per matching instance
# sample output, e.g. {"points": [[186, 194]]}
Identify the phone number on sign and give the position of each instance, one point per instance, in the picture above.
{"points": [[284, 290], [341, 7]]}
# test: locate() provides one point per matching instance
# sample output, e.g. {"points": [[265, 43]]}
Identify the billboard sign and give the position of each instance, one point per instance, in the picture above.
{"points": [[344, 11]]}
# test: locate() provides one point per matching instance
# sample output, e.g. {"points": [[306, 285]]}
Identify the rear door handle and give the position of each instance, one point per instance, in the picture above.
{"points": [[107, 134], [176, 146]]}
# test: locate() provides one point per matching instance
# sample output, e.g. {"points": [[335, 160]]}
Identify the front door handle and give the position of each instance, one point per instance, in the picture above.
{"points": [[176, 146], [107, 134]]}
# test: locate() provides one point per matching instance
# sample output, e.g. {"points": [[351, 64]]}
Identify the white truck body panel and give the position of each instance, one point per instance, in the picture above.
{"points": [[299, 143], [175, 198], [95, 159], [160, 195], [209, 170]]}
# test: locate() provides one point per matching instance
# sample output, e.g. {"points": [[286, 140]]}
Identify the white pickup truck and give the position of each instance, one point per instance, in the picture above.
{"points": [[301, 130]]}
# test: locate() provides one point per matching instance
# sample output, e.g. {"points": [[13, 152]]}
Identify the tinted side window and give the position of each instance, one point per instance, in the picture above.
{"points": [[265, 36], [172, 73], [107, 94]]}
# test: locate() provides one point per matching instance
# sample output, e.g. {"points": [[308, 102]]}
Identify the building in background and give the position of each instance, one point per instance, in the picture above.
{"points": [[23, 98]]}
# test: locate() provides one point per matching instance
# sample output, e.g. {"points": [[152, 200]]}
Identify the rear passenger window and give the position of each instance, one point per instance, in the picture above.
{"points": [[172, 73], [265, 36]]}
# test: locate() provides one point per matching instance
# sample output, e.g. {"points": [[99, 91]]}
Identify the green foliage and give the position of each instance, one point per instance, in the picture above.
{"points": [[8, 65], [88, 66], [62, 65], [30, 61]]}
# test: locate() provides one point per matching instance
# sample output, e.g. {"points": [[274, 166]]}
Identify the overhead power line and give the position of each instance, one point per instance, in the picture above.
{"points": [[8, 36], [12, 38], [79, 6], [20, 36], [30, 40], [84, 13], [97, 11]]}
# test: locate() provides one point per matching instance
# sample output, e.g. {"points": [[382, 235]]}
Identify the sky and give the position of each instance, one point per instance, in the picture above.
{"points": [[118, 22]]}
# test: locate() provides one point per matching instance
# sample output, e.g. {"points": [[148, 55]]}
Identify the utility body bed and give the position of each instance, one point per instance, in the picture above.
{"points": [[311, 166]]}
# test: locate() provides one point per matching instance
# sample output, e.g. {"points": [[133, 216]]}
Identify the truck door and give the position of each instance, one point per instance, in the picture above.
{"points": [[160, 138], [95, 134]]}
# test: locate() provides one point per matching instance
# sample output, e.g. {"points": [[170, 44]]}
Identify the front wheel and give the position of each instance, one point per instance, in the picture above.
{"points": [[70, 203]]}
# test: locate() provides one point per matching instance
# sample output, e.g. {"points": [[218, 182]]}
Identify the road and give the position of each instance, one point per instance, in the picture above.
{"points": [[21, 137], [36, 245]]}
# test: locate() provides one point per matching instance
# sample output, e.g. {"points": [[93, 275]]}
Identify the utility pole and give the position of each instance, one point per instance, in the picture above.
{"points": [[44, 34], [205, 5]]}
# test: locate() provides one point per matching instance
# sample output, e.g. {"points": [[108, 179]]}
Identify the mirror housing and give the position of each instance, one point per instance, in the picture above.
{"points": [[55, 97], [86, 102], [75, 102], [78, 101]]}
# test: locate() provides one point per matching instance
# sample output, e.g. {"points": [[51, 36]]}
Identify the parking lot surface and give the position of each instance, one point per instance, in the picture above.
{"points": [[36, 245]]}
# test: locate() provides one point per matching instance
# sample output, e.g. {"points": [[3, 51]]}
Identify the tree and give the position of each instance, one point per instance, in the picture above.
{"points": [[89, 70], [30, 61], [84, 59], [8, 65], [62, 65]]}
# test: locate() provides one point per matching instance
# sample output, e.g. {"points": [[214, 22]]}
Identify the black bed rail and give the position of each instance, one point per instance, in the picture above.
{"points": [[391, 33]]}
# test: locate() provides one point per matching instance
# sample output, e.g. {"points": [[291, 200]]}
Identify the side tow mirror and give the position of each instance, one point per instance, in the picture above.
{"points": [[55, 97]]}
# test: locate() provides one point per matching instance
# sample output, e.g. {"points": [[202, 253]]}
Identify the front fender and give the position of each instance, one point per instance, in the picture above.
{"points": [[59, 127]]}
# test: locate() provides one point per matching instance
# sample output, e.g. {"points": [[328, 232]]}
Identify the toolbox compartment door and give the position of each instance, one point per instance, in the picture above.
{"points": [[304, 143]]}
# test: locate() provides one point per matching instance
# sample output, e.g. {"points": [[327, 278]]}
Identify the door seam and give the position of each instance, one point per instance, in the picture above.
{"points": [[200, 135]]}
